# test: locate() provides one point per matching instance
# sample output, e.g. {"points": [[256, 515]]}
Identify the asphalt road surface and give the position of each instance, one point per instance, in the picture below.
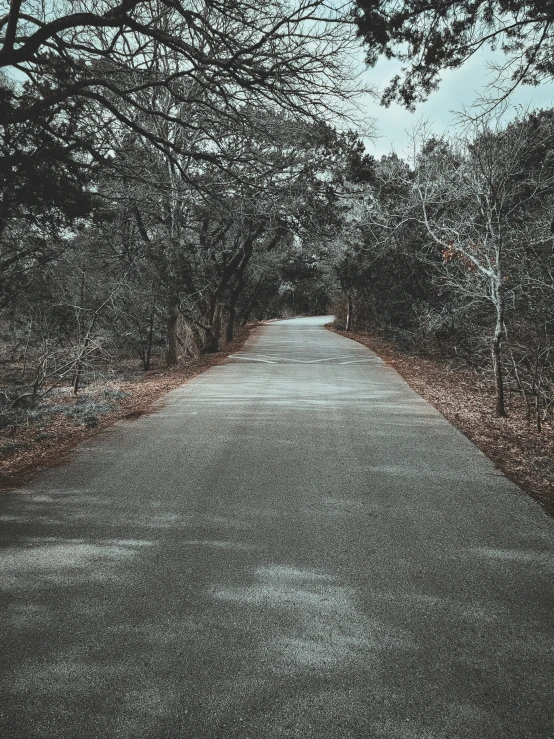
{"points": [[295, 545]]}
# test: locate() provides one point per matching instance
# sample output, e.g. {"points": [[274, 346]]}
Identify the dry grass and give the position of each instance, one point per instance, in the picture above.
{"points": [[48, 436], [467, 400]]}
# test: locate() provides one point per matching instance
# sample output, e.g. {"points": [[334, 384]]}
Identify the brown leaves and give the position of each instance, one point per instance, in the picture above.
{"points": [[450, 253]]}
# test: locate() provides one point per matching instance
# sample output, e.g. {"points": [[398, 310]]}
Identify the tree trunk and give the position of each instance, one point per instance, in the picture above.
{"points": [[348, 313], [149, 343], [250, 305], [216, 325], [79, 365], [230, 330], [214, 331], [77, 377], [82, 354], [172, 317], [194, 341], [497, 354], [233, 297]]}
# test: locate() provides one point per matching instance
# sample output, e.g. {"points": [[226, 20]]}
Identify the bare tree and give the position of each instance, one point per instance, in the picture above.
{"points": [[126, 60], [476, 195]]}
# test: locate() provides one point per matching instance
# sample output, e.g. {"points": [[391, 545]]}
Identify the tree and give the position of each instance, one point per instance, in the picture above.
{"points": [[187, 79], [43, 193], [454, 252], [476, 201], [126, 60], [430, 37]]}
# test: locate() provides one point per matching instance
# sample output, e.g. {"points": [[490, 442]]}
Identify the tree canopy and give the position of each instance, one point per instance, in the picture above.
{"points": [[430, 37], [145, 64]]}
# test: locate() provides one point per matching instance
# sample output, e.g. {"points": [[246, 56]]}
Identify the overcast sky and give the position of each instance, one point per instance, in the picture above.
{"points": [[459, 88]]}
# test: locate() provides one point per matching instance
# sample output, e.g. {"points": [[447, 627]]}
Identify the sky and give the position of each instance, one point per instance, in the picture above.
{"points": [[459, 88]]}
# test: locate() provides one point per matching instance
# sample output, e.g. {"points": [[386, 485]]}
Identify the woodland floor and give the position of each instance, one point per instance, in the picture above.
{"points": [[48, 435], [467, 399]]}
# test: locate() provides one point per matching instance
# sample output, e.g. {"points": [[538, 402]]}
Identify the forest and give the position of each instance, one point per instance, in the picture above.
{"points": [[172, 171]]}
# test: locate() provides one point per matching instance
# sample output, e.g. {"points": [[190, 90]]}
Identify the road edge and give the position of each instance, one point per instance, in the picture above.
{"points": [[489, 436]]}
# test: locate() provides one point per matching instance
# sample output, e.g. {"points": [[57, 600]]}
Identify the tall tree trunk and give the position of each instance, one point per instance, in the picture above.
{"points": [[497, 352], [230, 329], [77, 376], [82, 354], [233, 297], [79, 365], [149, 342], [214, 323], [172, 317], [194, 341], [348, 313], [253, 297]]}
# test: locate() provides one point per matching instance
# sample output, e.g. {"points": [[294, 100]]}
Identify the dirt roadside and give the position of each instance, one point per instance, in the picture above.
{"points": [[47, 442], [466, 399]]}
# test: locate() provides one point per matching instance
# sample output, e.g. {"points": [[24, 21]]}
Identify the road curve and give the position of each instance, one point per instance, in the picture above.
{"points": [[295, 545]]}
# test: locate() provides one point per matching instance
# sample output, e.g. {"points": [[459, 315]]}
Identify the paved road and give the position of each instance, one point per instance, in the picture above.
{"points": [[296, 545]]}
